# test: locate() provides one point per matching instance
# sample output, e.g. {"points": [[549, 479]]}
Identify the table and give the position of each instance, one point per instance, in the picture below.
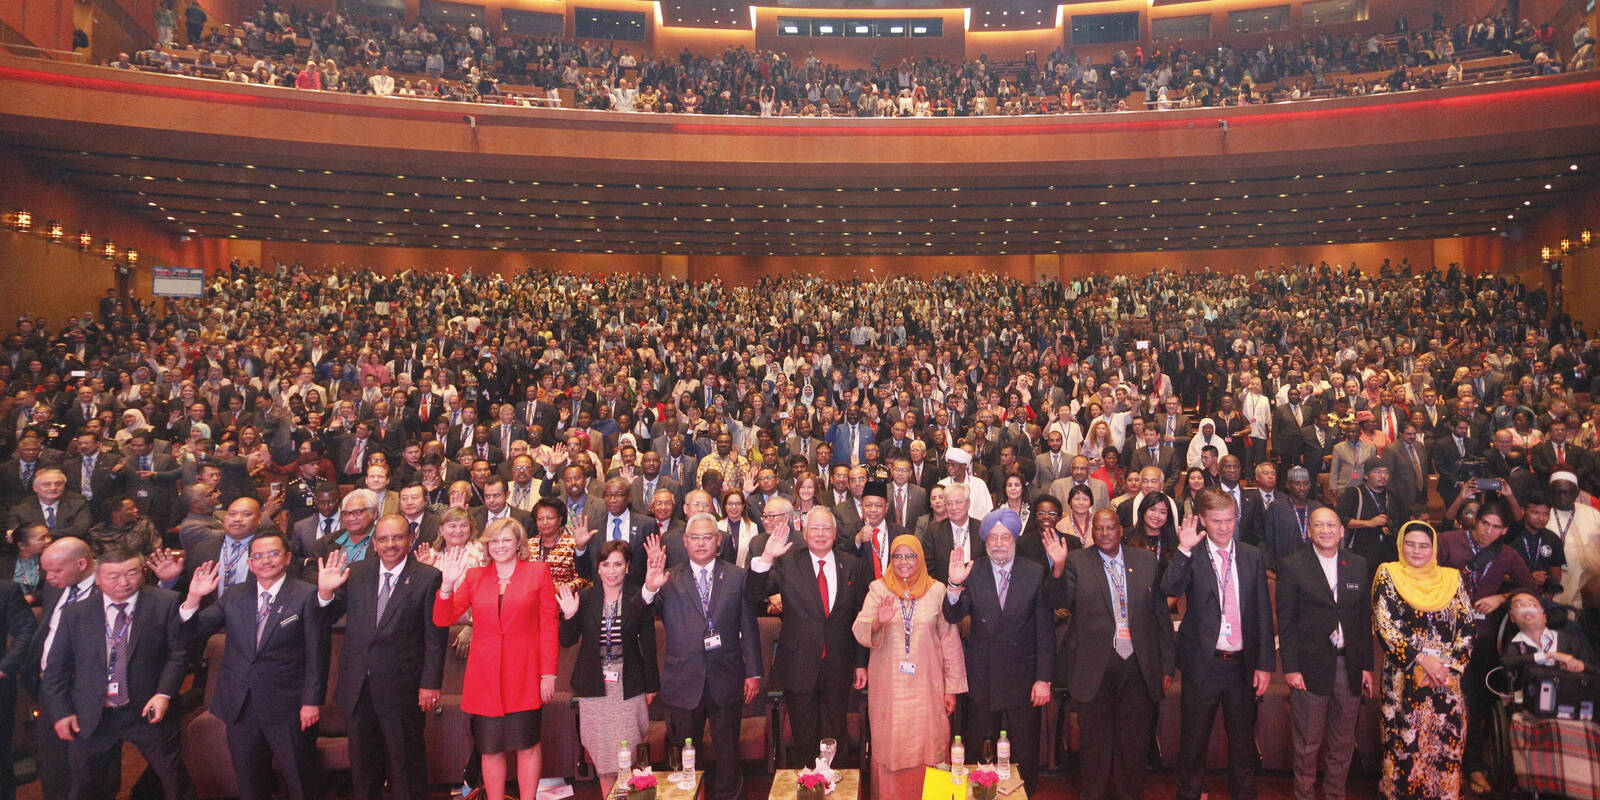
{"points": [[666, 790], [848, 787], [936, 784]]}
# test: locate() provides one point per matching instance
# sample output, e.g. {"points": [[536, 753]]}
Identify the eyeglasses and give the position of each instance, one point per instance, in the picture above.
{"points": [[268, 554], [355, 511], [1043, 513], [904, 557], [775, 515]]}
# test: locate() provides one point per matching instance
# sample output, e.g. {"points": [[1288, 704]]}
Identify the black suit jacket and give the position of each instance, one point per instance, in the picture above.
{"points": [[691, 670], [99, 479], [33, 651], [1313, 456], [1447, 463], [289, 668], [480, 517], [20, 626], [72, 515], [1009, 648], [75, 682], [636, 530], [939, 539], [396, 655], [1085, 591], [639, 671], [806, 632], [1308, 615], [1193, 576], [1543, 461]]}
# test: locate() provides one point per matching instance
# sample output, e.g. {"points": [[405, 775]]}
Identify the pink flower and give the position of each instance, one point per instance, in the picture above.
{"points": [[984, 777], [812, 780], [639, 783]]}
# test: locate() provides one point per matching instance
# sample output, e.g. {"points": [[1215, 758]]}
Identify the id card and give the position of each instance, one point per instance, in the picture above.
{"points": [[1125, 633], [713, 641], [908, 668], [612, 675], [1227, 628], [113, 689]]}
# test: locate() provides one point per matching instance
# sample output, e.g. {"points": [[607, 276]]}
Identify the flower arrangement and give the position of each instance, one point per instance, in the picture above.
{"points": [[810, 785], [985, 783], [642, 786]]}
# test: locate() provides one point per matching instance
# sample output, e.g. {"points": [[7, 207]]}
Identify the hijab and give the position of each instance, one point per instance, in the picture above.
{"points": [[1426, 588], [919, 582]]}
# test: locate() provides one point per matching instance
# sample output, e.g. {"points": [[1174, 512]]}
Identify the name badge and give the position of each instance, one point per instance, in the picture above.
{"points": [[1124, 633], [113, 689], [1227, 628], [1479, 616], [613, 675], [908, 668], [713, 641]]}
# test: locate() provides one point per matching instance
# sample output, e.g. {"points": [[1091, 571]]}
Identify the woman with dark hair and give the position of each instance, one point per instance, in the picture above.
{"points": [[1078, 517], [614, 676], [737, 529], [556, 544], [1045, 521], [1154, 528], [1194, 481]]}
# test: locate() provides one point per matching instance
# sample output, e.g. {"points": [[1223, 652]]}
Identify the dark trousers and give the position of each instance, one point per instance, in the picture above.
{"points": [[1479, 701], [254, 744], [388, 743], [90, 753], [1022, 729], [1115, 724], [55, 770], [8, 712], [1230, 689], [726, 774], [816, 715]]}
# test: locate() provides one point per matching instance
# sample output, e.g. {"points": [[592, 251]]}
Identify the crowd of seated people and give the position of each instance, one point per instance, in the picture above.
{"points": [[334, 51], [908, 428]]}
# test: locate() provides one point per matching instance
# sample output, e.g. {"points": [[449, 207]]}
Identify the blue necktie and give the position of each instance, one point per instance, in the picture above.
{"points": [[616, 529]]}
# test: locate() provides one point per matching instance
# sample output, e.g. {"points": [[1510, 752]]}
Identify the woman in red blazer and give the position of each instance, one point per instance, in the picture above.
{"points": [[514, 616]]}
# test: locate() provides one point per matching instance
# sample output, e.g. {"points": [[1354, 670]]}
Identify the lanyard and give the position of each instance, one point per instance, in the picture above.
{"points": [[613, 648], [1561, 530], [907, 610], [1302, 518], [1114, 574]]}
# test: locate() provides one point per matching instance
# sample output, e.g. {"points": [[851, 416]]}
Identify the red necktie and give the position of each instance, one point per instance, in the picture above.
{"points": [[877, 556], [1561, 454], [822, 587]]}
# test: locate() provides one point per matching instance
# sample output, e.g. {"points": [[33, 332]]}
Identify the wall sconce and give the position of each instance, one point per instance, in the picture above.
{"points": [[54, 230], [22, 220], [132, 256], [1544, 254], [85, 241], [1587, 238], [1566, 246], [108, 249]]}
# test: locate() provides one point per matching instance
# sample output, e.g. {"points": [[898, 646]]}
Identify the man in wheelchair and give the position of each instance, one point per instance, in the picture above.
{"points": [[1544, 639]]}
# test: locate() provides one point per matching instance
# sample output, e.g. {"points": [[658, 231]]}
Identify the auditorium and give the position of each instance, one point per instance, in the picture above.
{"points": [[815, 399]]}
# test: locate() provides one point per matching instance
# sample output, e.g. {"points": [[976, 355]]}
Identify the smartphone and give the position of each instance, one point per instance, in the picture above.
{"points": [[1487, 484], [1142, 344]]}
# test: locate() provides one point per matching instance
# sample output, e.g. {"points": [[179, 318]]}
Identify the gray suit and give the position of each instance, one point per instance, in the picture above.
{"points": [[1045, 471], [636, 494], [701, 683], [1062, 486], [916, 505]]}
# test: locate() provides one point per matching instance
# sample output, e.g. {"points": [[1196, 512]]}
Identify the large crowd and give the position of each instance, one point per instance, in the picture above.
{"points": [[921, 477], [339, 52]]}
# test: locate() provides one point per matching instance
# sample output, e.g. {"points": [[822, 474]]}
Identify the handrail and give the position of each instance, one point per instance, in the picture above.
{"points": [[71, 55]]}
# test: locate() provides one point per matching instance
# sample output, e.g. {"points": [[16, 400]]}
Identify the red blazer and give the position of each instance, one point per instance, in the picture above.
{"points": [[514, 641]]}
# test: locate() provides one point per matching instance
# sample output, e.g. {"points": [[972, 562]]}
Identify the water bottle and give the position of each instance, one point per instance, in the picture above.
{"points": [[624, 760], [958, 761], [1003, 757], [688, 758]]}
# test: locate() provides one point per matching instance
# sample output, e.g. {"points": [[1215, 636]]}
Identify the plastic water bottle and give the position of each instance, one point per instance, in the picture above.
{"points": [[1002, 751], [625, 759], [958, 761], [688, 759]]}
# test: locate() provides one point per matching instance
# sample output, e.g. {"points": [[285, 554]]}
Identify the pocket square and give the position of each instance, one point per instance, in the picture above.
{"points": [[288, 619]]}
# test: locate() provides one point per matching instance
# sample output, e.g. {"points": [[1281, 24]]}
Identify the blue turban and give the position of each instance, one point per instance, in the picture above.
{"points": [[1003, 517]]}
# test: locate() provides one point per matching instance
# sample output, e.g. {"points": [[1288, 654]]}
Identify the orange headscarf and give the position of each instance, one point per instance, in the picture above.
{"points": [[920, 581]]}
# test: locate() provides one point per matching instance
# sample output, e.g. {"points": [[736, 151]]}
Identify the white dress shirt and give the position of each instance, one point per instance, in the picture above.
{"points": [[84, 587]]}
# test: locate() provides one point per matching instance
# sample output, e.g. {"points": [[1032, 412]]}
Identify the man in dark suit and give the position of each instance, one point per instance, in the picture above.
{"points": [[957, 531], [1555, 454], [64, 513], [713, 648], [1152, 452], [819, 664], [114, 668], [1251, 520], [613, 520], [496, 504], [1119, 652], [1325, 637], [1287, 421], [1224, 643], [1288, 519], [322, 523], [1010, 652], [1317, 441], [16, 474], [874, 532], [350, 457], [151, 479], [421, 524], [391, 666], [88, 472], [19, 625], [907, 501], [650, 478], [534, 412], [1448, 453], [274, 672], [68, 567]]}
